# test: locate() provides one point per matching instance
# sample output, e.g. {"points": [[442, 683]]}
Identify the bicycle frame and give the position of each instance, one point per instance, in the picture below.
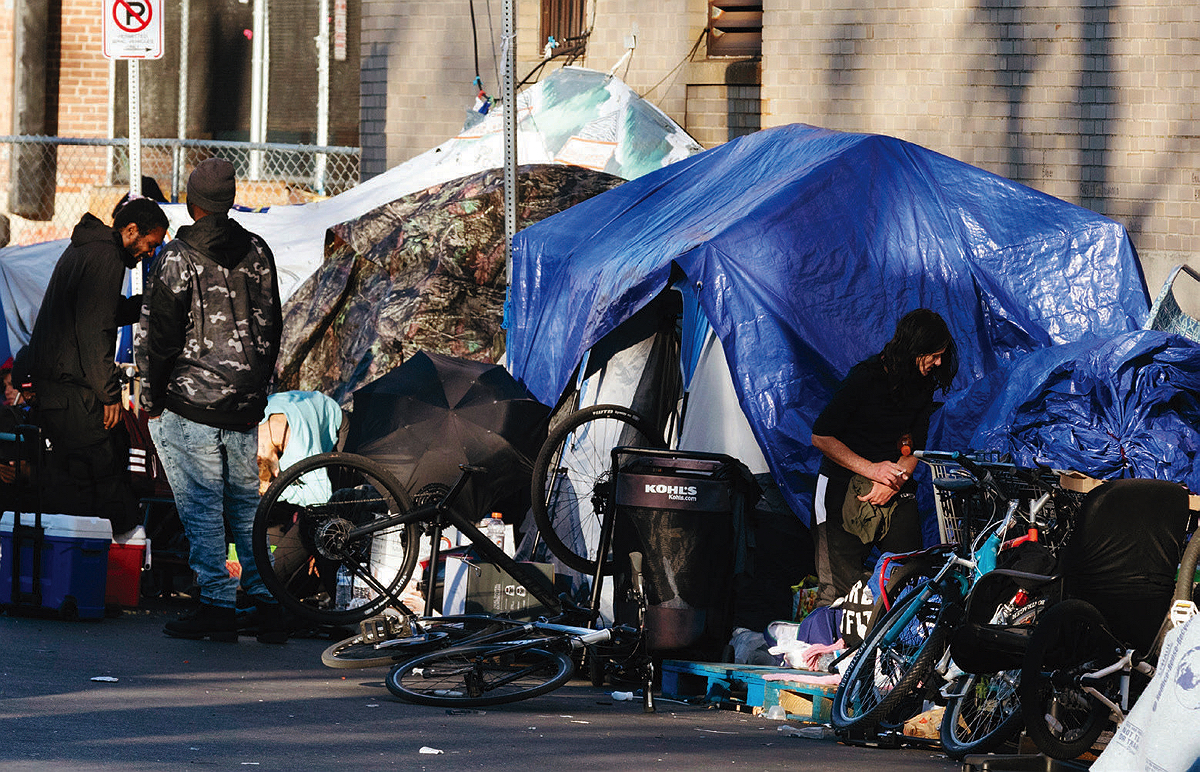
{"points": [[439, 514], [549, 636]]}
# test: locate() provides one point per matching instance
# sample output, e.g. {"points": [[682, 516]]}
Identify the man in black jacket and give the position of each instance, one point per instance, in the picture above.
{"points": [[209, 338], [71, 356]]}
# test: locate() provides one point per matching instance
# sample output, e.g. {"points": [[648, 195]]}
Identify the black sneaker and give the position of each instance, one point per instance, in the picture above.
{"points": [[265, 622], [212, 622]]}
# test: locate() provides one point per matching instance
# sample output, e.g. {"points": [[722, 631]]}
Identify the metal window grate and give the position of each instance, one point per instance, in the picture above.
{"points": [[564, 20], [735, 27]]}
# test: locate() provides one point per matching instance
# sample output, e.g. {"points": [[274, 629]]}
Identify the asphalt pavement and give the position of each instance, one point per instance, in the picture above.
{"points": [[118, 694]]}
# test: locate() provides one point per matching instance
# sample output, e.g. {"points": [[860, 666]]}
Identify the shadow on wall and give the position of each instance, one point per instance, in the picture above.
{"points": [[1015, 51], [743, 98]]}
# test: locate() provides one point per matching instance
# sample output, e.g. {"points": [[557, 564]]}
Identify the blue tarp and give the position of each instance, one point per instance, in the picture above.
{"points": [[805, 246], [1124, 406]]}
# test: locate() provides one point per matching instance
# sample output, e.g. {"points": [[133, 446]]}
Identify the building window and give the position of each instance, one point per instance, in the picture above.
{"points": [[564, 21], [735, 27]]}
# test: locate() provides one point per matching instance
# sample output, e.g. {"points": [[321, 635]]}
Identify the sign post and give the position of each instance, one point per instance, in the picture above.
{"points": [[133, 30]]}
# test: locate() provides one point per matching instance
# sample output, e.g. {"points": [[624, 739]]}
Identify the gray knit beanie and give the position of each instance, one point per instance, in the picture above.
{"points": [[211, 185]]}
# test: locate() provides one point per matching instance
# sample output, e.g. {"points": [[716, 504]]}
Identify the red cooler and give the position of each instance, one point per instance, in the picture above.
{"points": [[126, 556]]}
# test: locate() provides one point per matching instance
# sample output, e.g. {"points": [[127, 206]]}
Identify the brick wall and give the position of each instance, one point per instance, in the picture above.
{"points": [[6, 65], [83, 95], [83, 92], [1093, 102], [78, 81], [666, 32], [418, 68]]}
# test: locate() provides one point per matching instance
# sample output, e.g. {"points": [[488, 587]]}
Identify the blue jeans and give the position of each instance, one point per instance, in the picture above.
{"points": [[214, 477]]}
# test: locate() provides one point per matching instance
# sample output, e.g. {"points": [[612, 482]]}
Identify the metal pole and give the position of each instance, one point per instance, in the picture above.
{"points": [[322, 94], [509, 52], [135, 154], [135, 131], [185, 25], [258, 31]]}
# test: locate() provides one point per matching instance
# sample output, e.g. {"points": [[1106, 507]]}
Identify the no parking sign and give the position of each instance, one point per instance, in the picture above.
{"points": [[133, 29]]}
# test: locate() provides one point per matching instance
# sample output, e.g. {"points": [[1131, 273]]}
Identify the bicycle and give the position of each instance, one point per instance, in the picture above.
{"points": [[892, 669], [509, 665], [1088, 659], [336, 538]]}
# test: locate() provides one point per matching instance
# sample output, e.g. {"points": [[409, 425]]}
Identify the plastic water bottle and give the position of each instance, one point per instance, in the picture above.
{"points": [[345, 588], [495, 529]]}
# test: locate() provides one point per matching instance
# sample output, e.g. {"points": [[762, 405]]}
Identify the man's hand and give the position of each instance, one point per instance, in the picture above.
{"points": [[112, 415], [879, 494], [889, 474]]}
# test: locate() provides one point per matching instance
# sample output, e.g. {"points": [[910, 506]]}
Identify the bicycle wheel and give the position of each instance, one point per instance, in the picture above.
{"points": [[480, 675], [984, 710], [897, 655], [1062, 719], [301, 538], [364, 650], [571, 479]]}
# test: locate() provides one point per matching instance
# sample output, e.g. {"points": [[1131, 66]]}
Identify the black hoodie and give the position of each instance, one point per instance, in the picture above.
{"points": [[211, 326], [75, 336]]}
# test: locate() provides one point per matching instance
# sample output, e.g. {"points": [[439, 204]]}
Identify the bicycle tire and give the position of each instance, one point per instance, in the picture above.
{"points": [[1061, 719], [299, 538], [883, 673], [570, 477], [468, 676], [360, 651], [985, 709]]}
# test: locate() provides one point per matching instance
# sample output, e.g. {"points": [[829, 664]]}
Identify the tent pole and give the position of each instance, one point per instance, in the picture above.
{"points": [[509, 50]]}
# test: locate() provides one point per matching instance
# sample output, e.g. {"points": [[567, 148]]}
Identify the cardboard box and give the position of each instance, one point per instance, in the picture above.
{"points": [[476, 587], [126, 557], [1078, 482], [74, 564], [1081, 483]]}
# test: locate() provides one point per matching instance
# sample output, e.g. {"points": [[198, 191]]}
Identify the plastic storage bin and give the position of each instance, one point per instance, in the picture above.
{"points": [[74, 564], [126, 557]]}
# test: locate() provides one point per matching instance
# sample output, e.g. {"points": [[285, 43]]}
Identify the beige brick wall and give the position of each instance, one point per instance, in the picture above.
{"points": [[666, 31], [1094, 102], [418, 68], [669, 64]]}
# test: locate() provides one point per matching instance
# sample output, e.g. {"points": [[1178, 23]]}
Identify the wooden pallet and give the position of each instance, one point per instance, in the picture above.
{"points": [[743, 685]]}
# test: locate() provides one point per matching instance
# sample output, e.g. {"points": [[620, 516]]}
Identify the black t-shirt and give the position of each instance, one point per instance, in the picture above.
{"points": [[870, 418]]}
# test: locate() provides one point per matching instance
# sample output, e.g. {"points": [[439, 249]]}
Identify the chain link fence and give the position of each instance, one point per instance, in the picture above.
{"points": [[50, 182]]}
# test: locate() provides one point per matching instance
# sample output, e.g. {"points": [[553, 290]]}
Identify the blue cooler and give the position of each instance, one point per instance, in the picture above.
{"points": [[73, 573]]}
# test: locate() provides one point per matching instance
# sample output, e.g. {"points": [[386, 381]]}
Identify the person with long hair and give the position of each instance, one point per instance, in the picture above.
{"points": [[879, 414]]}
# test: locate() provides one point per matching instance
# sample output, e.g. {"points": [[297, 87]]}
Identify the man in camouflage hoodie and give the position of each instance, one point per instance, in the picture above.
{"points": [[209, 339]]}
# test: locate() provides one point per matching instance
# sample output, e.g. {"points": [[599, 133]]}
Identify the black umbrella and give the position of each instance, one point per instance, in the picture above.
{"points": [[434, 412]]}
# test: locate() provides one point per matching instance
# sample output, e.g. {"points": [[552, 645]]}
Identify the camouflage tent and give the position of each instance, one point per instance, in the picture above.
{"points": [[424, 272]]}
